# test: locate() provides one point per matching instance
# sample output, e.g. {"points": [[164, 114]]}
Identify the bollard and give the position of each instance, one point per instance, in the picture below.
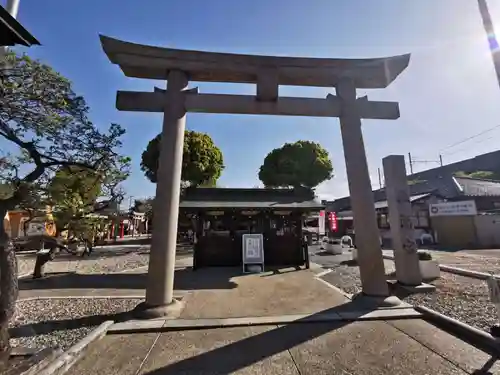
{"points": [[494, 289]]}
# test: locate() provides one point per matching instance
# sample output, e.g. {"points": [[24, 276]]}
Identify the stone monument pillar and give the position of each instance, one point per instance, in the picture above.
{"points": [[400, 212], [160, 284], [371, 264]]}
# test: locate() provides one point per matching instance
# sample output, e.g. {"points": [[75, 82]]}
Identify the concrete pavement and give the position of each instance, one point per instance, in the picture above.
{"points": [[375, 347], [347, 346]]}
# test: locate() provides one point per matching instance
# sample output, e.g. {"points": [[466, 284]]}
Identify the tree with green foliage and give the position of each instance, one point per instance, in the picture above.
{"points": [[45, 126], [202, 160], [486, 175], [416, 181], [300, 164], [74, 192]]}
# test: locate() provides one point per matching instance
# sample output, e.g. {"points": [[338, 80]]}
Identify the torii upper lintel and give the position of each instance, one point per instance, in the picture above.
{"points": [[143, 61]]}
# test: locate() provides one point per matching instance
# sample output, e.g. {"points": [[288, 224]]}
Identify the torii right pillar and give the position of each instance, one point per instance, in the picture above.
{"points": [[371, 264], [400, 212]]}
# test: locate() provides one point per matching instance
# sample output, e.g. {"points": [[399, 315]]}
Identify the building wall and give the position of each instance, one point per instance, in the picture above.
{"points": [[456, 232], [13, 222], [420, 220], [488, 230]]}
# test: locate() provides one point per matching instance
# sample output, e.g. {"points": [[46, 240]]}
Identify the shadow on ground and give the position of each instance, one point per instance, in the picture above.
{"points": [[185, 279], [45, 327], [241, 354], [48, 326], [132, 241], [280, 270]]}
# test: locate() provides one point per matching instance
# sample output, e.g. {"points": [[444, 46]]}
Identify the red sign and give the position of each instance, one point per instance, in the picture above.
{"points": [[332, 219]]}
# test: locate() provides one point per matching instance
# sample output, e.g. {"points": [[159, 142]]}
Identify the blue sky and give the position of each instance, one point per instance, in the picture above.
{"points": [[448, 93]]}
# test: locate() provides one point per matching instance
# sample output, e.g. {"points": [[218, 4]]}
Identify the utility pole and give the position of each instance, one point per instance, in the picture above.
{"points": [[411, 163], [13, 8], [441, 160], [490, 34]]}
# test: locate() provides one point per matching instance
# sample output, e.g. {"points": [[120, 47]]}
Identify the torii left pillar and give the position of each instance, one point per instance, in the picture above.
{"points": [[160, 285]]}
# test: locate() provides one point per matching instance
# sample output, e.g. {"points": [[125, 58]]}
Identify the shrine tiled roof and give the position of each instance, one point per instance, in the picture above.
{"points": [[211, 198]]}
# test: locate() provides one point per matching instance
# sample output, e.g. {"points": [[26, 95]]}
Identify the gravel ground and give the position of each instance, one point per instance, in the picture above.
{"points": [[470, 261], [462, 298], [58, 322], [102, 261], [459, 297], [55, 322]]}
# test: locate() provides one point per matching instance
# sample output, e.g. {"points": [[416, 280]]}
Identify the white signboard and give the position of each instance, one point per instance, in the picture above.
{"points": [[453, 209], [35, 228], [253, 249], [322, 223]]}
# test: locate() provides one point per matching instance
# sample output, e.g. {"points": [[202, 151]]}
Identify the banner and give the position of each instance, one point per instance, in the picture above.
{"points": [[322, 223], [332, 219]]}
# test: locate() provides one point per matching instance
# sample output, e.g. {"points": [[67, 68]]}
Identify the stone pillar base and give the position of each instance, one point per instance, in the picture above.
{"points": [[171, 310], [375, 302]]}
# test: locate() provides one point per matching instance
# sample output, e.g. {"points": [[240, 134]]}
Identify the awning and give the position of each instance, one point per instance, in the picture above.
{"points": [[348, 215], [306, 205], [384, 204]]}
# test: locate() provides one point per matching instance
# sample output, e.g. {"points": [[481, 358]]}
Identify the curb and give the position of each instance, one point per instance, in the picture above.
{"points": [[45, 358], [455, 270], [168, 325], [337, 289], [63, 363], [464, 272], [476, 337]]}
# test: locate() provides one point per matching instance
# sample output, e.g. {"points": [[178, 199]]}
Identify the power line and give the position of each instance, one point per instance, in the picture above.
{"points": [[471, 137], [465, 148]]}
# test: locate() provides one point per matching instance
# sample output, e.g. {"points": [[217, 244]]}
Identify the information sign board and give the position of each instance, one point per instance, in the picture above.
{"points": [[253, 250], [461, 208]]}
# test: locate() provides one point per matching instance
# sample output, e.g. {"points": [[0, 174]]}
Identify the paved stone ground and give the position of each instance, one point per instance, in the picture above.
{"points": [[270, 293], [363, 347], [393, 347], [357, 348]]}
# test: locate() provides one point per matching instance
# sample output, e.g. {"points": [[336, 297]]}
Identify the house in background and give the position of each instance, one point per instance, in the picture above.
{"points": [[442, 185], [420, 218]]}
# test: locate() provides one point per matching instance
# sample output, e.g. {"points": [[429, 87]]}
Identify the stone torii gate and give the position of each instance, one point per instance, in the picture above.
{"points": [[178, 67]]}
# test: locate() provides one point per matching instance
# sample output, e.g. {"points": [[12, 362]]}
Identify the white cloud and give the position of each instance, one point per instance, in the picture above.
{"points": [[338, 187], [333, 189]]}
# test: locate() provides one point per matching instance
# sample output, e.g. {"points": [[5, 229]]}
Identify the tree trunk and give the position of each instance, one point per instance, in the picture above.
{"points": [[8, 287], [41, 260], [27, 223]]}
